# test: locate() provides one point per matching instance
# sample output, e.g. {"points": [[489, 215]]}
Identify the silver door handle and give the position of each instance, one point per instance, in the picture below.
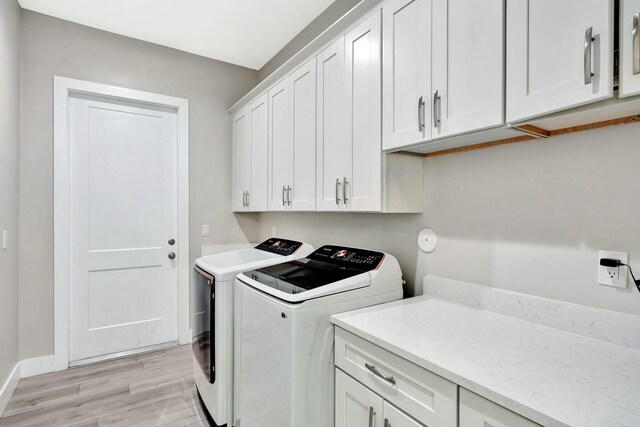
{"points": [[246, 203], [344, 190], [283, 190], [372, 414], [420, 115], [288, 195], [377, 373], [172, 255], [436, 109], [387, 423], [588, 44], [635, 35], [337, 191], [244, 199], [247, 199]]}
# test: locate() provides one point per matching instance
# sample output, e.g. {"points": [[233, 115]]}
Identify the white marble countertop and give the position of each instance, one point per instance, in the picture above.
{"points": [[553, 377]]}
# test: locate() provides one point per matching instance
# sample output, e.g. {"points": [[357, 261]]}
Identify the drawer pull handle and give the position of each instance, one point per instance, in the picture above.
{"points": [[387, 423], [377, 373], [372, 414]]}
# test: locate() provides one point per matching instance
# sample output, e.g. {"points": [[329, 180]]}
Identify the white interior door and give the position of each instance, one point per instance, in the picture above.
{"points": [[123, 211]]}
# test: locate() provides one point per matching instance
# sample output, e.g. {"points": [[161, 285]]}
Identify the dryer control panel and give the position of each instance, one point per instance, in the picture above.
{"points": [[282, 247], [360, 259]]}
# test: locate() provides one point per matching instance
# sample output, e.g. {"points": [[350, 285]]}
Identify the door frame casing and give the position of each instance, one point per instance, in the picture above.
{"points": [[62, 89]]}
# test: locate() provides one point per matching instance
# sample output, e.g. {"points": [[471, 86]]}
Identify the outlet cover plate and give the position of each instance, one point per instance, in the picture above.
{"points": [[604, 273]]}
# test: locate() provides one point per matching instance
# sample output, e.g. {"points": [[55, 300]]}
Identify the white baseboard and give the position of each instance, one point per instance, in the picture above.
{"points": [[37, 366], [8, 387]]}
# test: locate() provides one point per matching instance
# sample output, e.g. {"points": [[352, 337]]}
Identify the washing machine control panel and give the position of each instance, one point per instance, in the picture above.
{"points": [[282, 247], [360, 259]]}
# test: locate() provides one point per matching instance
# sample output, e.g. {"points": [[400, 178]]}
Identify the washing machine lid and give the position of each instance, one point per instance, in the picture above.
{"points": [[328, 270], [226, 265]]}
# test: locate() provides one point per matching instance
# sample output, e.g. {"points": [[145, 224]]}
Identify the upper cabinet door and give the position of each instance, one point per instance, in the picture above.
{"points": [[302, 84], [468, 66], [280, 147], [629, 47], [331, 136], [362, 181], [241, 159], [407, 72], [258, 139], [559, 55]]}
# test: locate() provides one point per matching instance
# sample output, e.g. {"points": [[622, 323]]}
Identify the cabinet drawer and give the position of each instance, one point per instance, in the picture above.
{"points": [[476, 411], [429, 398]]}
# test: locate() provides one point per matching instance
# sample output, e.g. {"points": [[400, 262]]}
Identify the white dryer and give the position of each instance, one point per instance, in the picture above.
{"points": [[212, 321], [283, 340]]}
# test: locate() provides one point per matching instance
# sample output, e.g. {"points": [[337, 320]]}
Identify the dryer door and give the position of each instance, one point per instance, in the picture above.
{"points": [[203, 336]]}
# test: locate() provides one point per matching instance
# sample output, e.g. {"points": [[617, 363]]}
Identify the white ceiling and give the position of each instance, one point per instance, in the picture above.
{"points": [[242, 32]]}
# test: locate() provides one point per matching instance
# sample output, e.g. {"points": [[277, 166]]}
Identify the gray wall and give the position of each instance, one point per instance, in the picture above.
{"points": [[55, 47], [9, 143], [527, 217], [311, 31]]}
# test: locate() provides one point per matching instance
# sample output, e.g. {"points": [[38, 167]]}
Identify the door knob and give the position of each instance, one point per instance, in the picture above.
{"points": [[172, 255], [172, 242]]}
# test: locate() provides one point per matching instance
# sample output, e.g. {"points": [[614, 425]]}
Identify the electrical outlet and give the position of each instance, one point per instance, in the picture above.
{"points": [[613, 276], [205, 230]]}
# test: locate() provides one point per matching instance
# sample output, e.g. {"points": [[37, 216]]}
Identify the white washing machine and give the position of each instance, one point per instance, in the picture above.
{"points": [[212, 322], [283, 340]]}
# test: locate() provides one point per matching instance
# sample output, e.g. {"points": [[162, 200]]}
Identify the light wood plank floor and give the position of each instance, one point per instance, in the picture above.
{"points": [[153, 389]]}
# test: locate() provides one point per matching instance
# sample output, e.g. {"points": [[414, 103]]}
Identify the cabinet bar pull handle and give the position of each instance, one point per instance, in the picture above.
{"points": [[337, 191], [387, 423], [377, 373], [247, 199], [436, 109], [244, 199], [588, 43], [635, 34], [420, 115], [283, 190], [344, 190], [288, 195], [372, 414]]}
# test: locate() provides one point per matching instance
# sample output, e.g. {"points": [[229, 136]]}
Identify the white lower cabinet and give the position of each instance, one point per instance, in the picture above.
{"points": [[377, 388], [394, 417], [476, 411], [357, 406]]}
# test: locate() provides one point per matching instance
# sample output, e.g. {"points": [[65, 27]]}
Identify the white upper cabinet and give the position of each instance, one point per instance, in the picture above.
{"points": [[241, 160], [302, 92], [559, 55], [362, 178], [280, 147], [292, 141], [407, 72], [629, 47], [332, 153], [468, 66], [258, 141]]}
